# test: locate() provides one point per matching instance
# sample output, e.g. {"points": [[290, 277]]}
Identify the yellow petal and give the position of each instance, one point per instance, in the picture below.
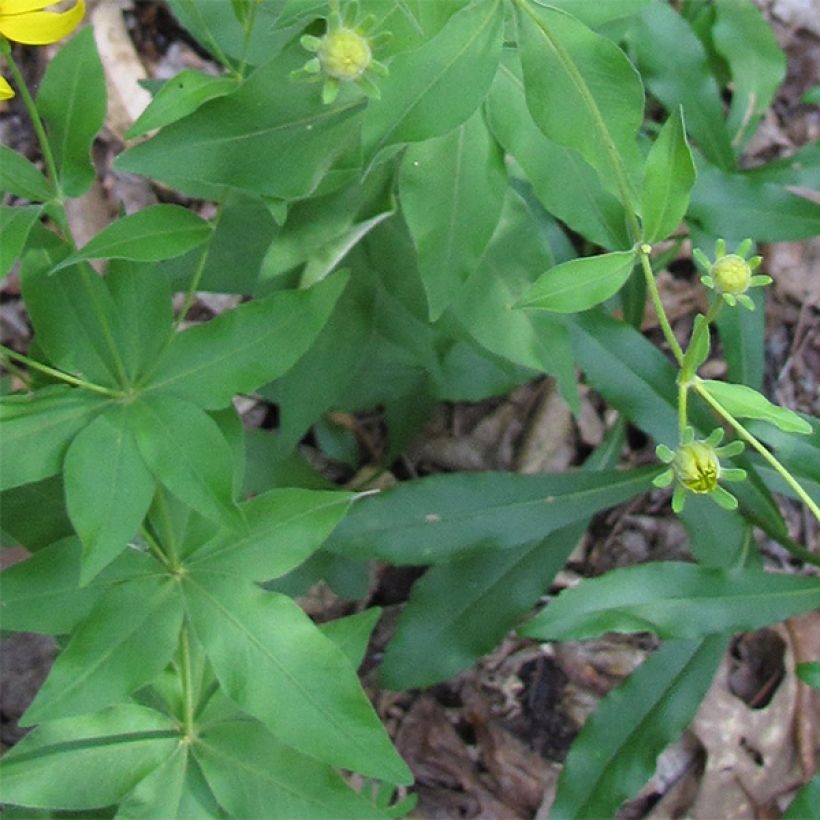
{"points": [[40, 27], [23, 6], [6, 91]]}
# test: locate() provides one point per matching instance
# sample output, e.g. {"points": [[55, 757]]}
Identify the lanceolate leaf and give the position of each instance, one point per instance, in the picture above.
{"points": [[674, 600], [125, 642], [747, 403], [42, 594], [581, 89], [275, 664], [89, 761], [668, 179], [252, 774], [246, 347], [187, 453], [352, 633], [452, 189], [580, 283], [616, 751], [283, 527], [439, 518], [15, 223], [154, 233], [272, 136], [436, 87], [37, 429], [20, 176], [72, 100], [108, 488]]}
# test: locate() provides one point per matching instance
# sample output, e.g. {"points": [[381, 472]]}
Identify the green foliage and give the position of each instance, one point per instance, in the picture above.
{"points": [[494, 201]]}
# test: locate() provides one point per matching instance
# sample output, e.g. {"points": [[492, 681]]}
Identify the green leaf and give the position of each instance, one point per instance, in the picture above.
{"points": [[275, 664], [674, 600], [15, 223], [809, 672], [21, 177], [439, 518], [805, 803], [187, 453], [581, 90], [252, 774], [739, 205], [580, 283], [616, 752], [743, 333], [271, 136], [41, 594], [126, 641], [452, 189], [576, 195], [717, 537], [668, 179], [595, 15], [108, 489], [461, 610], [282, 528], [89, 761], [34, 514], [74, 317], [175, 789], [179, 96], [747, 403], [37, 429], [743, 37], [154, 233], [237, 246], [675, 67], [72, 100], [245, 348], [437, 86], [352, 633], [142, 300]]}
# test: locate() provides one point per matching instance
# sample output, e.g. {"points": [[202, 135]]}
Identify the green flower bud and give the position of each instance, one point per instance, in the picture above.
{"points": [[344, 54], [731, 274], [696, 466]]}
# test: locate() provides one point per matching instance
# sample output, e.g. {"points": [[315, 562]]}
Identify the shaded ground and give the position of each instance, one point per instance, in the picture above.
{"points": [[489, 743]]}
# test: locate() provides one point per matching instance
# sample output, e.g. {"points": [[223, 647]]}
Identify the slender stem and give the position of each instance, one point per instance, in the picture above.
{"points": [[187, 681], [156, 549], [683, 417], [190, 295], [36, 121], [663, 319], [751, 440], [167, 527], [7, 352]]}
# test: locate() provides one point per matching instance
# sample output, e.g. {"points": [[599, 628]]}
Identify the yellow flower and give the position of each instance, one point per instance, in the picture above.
{"points": [[24, 21], [6, 91]]}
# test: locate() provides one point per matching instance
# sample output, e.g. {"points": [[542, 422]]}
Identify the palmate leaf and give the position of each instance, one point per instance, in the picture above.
{"points": [[275, 664], [86, 762], [252, 774], [34, 514], [674, 600], [246, 347], [437, 86], [616, 751], [442, 517], [175, 789], [126, 641]]}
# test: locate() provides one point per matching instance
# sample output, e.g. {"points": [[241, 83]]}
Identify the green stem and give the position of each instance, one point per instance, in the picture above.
{"points": [[59, 374], [753, 442], [683, 417], [663, 319], [36, 121], [187, 682]]}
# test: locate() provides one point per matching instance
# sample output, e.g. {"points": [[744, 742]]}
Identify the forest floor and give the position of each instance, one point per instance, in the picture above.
{"points": [[489, 743]]}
